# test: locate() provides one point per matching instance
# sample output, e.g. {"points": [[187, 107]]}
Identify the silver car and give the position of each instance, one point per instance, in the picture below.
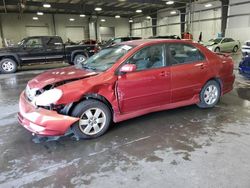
{"points": [[223, 45]]}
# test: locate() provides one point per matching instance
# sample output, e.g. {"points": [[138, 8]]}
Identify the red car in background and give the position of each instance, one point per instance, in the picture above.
{"points": [[121, 82]]}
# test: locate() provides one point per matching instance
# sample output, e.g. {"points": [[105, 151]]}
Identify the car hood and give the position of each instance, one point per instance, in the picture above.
{"points": [[59, 75], [209, 43]]}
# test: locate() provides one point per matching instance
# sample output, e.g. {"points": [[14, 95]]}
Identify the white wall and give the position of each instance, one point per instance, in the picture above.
{"points": [[62, 22], [14, 27], [168, 25], [238, 27], [121, 25], [145, 25], [209, 28]]}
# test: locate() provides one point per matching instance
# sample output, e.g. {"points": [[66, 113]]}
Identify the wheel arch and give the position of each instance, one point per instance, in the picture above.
{"points": [[94, 96], [218, 80], [11, 56]]}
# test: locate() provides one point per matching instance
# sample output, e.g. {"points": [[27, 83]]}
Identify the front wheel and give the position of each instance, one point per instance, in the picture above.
{"points": [[217, 50], [95, 118], [8, 65], [210, 94], [79, 59]]}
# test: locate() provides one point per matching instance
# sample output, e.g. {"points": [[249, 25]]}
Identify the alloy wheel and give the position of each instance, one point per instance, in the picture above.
{"points": [[92, 121], [8, 66], [211, 94]]}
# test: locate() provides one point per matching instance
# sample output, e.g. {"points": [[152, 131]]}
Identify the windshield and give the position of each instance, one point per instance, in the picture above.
{"points": [[217, 41], [21, 42], [106, 58]]}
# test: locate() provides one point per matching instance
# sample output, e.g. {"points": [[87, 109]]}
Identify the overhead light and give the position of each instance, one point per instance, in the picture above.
{"points": [[35, 18], [130, 21], [138, 11], [208, 5], [117, 16], [39, 13], [170, 2], [173, 12], [82, 15], [103, 20], [72, 19], [98, 9], [148, 17], [46, 5]]}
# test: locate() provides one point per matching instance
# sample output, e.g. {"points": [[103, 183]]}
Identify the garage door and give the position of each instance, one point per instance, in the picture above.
{"points": [[37, 31], [107, 33], [75, 34]]}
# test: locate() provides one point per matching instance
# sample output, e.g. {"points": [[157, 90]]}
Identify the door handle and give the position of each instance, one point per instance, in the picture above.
{"points": [[164, 73], [202, 66]]}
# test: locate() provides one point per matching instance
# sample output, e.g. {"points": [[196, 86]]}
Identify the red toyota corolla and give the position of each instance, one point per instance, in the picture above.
{"points": [[122, 82]]}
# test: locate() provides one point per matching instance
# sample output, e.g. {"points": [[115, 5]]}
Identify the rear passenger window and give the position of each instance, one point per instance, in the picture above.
{"points": [[54, 41], [182, 53]]}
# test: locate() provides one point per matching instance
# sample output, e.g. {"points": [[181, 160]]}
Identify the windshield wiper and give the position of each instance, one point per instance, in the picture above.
{"points": [[87, 67]]}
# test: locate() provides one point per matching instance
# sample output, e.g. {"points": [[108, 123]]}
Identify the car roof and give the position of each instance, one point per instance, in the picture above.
{"points": [[44, 36], [153, 41]]}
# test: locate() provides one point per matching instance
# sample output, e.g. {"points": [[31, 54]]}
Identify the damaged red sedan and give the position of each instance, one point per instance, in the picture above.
{"points": [[122, 82]]}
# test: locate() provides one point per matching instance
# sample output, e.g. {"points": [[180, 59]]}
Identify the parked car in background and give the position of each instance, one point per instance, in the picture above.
{"points": [[244, 66], [245, 49], [118, 40], [122, 82], [39, 49], [165, 37], [223, 45]]}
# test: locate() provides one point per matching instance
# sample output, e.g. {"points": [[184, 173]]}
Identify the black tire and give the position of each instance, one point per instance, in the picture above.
{"points": [[81, 109], [79, 58], [7, 66], [235, 49], [203, 95], [217, 49]]}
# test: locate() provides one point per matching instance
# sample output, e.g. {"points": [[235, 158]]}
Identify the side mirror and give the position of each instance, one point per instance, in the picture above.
{"points": [[128, 68]]}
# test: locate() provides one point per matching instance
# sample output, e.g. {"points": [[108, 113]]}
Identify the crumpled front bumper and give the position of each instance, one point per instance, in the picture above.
{"points": [[41, 121]]}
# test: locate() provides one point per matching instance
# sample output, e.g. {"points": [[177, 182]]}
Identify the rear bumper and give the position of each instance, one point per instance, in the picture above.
{"points": [[41, 121], [228, 83]]}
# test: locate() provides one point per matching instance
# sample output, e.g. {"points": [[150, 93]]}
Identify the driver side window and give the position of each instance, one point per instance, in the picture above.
{"points": [[34, 43], [148, 58]]}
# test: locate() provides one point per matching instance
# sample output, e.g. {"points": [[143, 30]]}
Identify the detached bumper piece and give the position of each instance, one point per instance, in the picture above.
{"points": [[41, 121]]}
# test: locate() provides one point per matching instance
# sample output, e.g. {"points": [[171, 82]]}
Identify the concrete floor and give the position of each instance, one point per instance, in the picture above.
{"points": [[185, 147]]}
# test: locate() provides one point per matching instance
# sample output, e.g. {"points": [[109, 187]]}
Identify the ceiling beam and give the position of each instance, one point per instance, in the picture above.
{"points": [[88, 9]]}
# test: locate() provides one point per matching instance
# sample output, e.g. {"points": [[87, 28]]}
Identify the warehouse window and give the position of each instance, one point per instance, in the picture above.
{"points": [[183, 53]]}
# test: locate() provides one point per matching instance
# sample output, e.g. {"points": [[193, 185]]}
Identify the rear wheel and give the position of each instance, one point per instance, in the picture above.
{"points": [[95, 118], [235, 49], [210, 94], [8, 65], [79, 59]]}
